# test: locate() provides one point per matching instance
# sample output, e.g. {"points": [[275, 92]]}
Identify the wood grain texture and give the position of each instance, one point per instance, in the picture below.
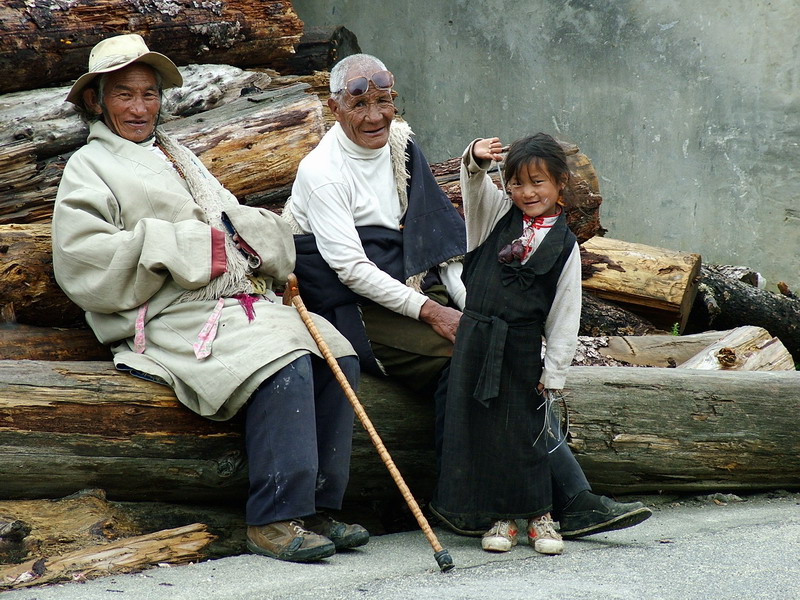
{"points": [[49, 42], [72, 425], [658, 283]]}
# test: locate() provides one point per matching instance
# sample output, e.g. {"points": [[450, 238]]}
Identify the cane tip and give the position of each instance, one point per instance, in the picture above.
{"points": [[444, 560]]}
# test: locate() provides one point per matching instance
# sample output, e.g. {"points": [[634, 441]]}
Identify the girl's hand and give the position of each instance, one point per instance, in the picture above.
{"points": [[487, 149]]}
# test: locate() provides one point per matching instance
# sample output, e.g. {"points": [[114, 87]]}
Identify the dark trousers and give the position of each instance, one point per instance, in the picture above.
{"points": [[568, 478], [298, 436]]}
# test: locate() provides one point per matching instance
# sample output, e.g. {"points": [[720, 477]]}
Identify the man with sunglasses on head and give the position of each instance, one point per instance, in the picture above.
{"points": [[378, 239], [379, 245]]}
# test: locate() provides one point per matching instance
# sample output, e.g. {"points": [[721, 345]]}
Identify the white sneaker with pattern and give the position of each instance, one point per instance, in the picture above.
{"points": [[543, 536], [501, 537]]}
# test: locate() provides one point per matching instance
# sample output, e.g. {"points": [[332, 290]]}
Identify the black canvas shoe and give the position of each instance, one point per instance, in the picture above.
{"points": [[589, 514], [343, 535]]}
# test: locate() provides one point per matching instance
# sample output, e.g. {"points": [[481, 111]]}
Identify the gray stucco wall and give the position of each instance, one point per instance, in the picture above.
{"points": [[688, 110]]}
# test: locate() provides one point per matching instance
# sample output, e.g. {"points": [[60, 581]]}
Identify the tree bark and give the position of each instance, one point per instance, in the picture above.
{"points": [[601, 318], [252, 144], [726, 303], [43, 117], [147, 446], [45, 42], [653, 430], [46, 528], [655, 283], [633, 429], [27, 282], [28, 342], [318, 84], [144, 444], [65, 525], [318, 50]]}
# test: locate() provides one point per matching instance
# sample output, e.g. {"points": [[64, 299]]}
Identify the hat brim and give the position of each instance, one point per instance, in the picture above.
{"points": [[170, 76]]}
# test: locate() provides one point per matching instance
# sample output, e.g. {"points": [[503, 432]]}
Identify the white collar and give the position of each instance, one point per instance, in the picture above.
{"points": [[354, 150]]}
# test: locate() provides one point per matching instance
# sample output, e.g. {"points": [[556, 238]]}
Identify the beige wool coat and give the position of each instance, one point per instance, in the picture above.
{"points": [[126, 231]]}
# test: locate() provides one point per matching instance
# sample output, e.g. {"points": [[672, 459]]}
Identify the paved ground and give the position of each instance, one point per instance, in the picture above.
{"points": [[690, 549]]}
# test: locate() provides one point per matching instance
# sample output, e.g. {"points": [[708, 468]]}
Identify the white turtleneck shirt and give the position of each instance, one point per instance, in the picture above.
{"points": [[340, 186]]}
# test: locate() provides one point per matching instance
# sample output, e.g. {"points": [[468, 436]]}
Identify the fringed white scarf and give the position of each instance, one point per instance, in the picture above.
{"points": [[213, 199]]}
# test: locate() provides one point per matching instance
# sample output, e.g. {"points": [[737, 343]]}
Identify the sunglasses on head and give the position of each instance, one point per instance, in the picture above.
{"points": [[357, 86]]}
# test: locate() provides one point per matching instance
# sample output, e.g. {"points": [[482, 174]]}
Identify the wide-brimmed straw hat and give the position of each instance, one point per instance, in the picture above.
{"points": [[119, 51]]}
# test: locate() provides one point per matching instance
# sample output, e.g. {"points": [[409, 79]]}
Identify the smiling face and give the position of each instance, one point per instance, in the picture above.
{"points": [[130, 103], [365, 119], [534, 191]]}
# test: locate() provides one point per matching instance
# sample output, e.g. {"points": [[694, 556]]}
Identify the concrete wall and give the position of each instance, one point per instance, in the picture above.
{"points": [[689, 110]]}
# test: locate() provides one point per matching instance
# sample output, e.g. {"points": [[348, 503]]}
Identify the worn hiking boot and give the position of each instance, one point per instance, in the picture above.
{"points": [[288, 540], [589, 513], [343, 535], [501, 537], [543, 537]]}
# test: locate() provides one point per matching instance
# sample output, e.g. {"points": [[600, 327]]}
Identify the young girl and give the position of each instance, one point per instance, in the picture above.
{"points": [[522, 274]]}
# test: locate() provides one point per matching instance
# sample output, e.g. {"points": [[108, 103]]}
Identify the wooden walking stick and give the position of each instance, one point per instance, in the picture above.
{"points": [[292, 296]]}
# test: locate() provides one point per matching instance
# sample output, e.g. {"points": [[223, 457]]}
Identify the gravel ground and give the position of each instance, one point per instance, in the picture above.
{"points": [[718, 546]]}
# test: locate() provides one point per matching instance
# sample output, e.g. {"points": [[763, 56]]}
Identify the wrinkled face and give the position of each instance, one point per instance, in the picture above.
{"points": [[130, 102], [533, 190], [365, 119]]}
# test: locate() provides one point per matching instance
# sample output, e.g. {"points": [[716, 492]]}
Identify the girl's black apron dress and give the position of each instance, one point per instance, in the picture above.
{"points": [[494, 462]]}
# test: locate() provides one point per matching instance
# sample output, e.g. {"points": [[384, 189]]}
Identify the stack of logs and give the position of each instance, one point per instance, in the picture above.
{"points": [[252, 106]]}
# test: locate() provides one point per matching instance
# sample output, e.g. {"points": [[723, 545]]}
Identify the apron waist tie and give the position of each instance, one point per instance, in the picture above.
{"points": [[488, 385]]}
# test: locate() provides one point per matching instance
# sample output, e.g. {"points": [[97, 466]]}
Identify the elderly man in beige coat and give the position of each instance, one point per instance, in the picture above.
{"points": [[177, 277]]}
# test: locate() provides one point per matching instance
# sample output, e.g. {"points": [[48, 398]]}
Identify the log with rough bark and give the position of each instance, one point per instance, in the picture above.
{"points": [[747, 348], [318, 50], [28, 342], [44, 118], [654, 350], [49, 42], [146, 446], [601, 318], [31, 529], [724, 303], [656, 283], [637, 430], [68, 524], [253, 144], [27, 282], [102, 428], [318, 84], [71, 425], [172, 546], [582, 194]]}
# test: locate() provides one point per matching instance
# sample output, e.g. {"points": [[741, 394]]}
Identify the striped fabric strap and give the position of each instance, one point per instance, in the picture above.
{"points": [[138, 338], [202, 347]]}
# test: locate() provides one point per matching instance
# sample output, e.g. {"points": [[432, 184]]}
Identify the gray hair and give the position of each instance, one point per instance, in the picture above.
{"points": [[343, 67]]}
